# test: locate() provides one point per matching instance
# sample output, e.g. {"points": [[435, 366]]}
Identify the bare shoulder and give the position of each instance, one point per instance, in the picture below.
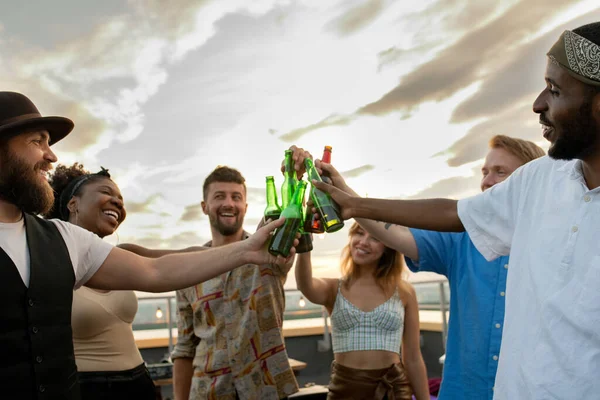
{"points": [[331, 282], [332, 287], [407, 292]]}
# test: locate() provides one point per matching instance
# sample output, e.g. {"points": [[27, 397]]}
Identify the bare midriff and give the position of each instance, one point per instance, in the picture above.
{"points": [[370, 359]]}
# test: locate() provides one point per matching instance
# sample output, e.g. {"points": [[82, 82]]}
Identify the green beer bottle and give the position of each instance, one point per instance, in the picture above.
{"points": [[305, 242], [272, 210], [289, 180], [284, 236], [314, 223], [326, 207]]}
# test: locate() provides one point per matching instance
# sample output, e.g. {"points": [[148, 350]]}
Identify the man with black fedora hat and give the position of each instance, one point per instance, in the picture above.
{"points": [[43, 261]]}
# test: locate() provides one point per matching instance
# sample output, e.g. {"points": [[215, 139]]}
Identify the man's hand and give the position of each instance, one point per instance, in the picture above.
{"points": [[298, 155], [258, 243]]}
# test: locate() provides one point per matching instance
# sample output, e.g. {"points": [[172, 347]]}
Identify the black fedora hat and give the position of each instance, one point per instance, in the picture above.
{"points": [[18, 115]]}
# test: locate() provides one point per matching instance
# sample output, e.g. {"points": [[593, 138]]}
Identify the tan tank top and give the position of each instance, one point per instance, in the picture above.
{"points": [[102, 334]]}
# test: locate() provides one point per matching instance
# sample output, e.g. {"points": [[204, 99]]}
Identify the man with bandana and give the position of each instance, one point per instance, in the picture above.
{"points": [[547, 216]]}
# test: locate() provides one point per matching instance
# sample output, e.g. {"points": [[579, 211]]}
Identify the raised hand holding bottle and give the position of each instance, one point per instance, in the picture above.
{"points": [[284, 236], [326, 207], [312, 222]]}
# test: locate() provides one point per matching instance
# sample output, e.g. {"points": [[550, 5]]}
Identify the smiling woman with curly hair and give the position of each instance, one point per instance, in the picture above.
{"points": [[108, 360]]}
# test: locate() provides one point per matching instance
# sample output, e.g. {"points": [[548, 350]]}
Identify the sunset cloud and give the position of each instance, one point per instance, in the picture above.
{"points": [[332, 120], [358, 171], [127, 56], [473, 58], [142, 207], [518, 121], [192, 213], [357, 17], [457, 187]]}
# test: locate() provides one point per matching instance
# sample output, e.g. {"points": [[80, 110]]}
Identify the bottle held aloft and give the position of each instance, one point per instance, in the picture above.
{"points": [[272, 210], [284, 236], [326, 207], [305, 242], [326, 159], [289, 180], [313, 223]]}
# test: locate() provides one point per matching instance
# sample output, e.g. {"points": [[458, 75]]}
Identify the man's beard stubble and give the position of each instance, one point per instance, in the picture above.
{"points": [[21, 185], [225, 230], [578, 139]]}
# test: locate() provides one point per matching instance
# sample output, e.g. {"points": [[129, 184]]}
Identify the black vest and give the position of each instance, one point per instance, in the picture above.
{"points": [[36, 344]]}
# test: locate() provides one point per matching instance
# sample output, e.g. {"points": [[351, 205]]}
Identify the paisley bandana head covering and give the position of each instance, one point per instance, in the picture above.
{"points": [[579, 56]]}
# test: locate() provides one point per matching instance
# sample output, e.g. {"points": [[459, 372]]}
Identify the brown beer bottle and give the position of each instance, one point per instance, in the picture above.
{"points": [[272, 210], [326, 207], [284, 236], [313, 223]]}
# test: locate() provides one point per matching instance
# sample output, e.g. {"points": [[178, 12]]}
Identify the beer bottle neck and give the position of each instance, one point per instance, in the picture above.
{"points": [[326, 155], [288, 164], [298, 197], [271, 193], [311, 170]]}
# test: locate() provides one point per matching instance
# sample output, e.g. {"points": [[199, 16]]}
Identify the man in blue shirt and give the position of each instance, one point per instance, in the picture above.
{"points": [[477, 286]]}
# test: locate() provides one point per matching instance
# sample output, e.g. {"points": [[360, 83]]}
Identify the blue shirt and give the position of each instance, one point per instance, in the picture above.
{"points": [[477, 290]]}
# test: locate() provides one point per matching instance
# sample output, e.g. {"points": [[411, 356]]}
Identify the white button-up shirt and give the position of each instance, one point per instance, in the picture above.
{"points": [[549, 221]]}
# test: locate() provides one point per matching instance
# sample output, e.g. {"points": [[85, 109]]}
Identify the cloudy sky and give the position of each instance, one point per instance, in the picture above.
{"points": [[407, 93]]}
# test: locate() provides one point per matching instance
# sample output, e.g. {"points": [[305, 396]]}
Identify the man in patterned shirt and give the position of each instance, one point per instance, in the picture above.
{"points": [[230, 342]]}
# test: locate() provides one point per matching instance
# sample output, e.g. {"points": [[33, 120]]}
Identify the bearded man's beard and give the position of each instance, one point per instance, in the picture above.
{"points": [[222, 228], [21, 185], [578, 138]]}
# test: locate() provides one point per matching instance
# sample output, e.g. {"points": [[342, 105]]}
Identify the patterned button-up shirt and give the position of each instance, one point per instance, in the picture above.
{"points": [[231, 326]]}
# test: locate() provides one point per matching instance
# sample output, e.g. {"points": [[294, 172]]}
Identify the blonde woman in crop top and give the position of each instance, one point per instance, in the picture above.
{"points": [[374, 315]]}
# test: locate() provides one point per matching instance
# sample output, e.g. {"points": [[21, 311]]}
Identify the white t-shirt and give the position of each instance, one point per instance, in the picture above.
{"points": [[549, 221], [87, 250]]}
